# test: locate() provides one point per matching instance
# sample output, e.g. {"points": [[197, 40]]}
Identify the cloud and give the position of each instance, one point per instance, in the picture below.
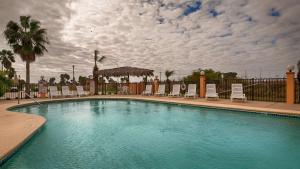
{"points": [[183, 35]]}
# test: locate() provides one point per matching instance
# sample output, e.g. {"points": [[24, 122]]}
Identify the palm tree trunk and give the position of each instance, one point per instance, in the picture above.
{"points": [[96, 85], [27, 90]]}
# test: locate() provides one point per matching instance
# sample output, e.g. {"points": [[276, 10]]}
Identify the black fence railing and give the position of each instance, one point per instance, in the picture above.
{"points": [[297, 91], [267, 89]]}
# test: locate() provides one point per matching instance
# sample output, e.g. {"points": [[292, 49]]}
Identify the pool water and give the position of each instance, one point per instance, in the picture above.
{"points": [[111, 134]]}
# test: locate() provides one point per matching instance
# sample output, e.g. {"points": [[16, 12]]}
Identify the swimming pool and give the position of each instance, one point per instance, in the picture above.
{"points": [[114, 134]]}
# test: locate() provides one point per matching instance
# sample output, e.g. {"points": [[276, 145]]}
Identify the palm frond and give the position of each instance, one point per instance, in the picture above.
{"points": [[101, 59]]}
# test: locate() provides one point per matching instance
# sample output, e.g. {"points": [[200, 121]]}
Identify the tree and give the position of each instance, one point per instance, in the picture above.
{"points": [[64, 78], [52, 81], [6, 59], [5, 82], [193, 78], [96, 69], [82, 80], [230, 75], [27, 39], [168, 74], [210, 75], [11, 72]]}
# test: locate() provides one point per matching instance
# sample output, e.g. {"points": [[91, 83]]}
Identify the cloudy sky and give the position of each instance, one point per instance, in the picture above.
{"points": [[249, 36]]}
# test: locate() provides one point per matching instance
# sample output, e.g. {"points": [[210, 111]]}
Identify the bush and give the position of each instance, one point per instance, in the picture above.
{"points": [[4, 83]]}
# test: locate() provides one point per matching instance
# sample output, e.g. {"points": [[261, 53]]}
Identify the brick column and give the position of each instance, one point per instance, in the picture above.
{"points": [[202, 86], [290, 87], [156, 84]]}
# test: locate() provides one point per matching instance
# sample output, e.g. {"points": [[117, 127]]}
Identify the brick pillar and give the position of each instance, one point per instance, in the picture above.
{"points": [[290, 87], [202, 86], [156, 84]]}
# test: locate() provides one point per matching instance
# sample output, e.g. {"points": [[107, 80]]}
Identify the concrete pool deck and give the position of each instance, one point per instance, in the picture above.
{"points": [[16, 128]]}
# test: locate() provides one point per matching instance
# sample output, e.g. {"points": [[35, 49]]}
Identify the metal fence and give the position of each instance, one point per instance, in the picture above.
{"points": [[266, 89], [297, 91]]}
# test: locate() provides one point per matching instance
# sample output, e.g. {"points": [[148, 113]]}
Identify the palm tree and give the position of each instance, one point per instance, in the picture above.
{"points": [[27, 39], [64, 79], [96, 69], [6, 59], [168, 74], [52, 81]]}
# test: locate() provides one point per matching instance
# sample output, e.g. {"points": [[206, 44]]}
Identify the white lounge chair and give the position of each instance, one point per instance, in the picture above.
{"points": [[148, 90], [192, 91], [124, 90], [53, 92], [80, 91], [211, 91], [237, 92], [175, 90], [65, 91], [161, 90]]}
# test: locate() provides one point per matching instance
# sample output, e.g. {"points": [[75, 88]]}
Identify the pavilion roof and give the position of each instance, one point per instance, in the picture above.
{"points": [[126, 71]]}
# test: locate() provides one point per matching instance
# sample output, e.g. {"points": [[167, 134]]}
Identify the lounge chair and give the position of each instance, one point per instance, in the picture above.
{"points": [[161, 90], [237, 92], [124, 90], [192, 91], [80, 91], [53, 92], [211, 91], [148, 90], [65, 91], [175, 90]]}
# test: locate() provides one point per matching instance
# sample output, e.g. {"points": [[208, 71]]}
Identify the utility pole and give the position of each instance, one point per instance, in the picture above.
{"points": [[159, 76], [73, 74], [260, 74]]}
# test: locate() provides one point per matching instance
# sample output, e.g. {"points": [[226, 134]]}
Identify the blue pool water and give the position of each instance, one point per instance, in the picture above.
{"points": [[110, 134]]}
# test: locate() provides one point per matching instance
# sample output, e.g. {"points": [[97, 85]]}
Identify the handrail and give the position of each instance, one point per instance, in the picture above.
{"points": [[32, 98]]}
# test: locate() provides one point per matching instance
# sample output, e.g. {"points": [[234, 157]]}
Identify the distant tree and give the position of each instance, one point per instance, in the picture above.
{"points": [[6, 59], [230, 75], [82, 80], [27, 39], [11, 72], [210, 75], [52, 81], [168, 74], [64, 79], [193, 78]]}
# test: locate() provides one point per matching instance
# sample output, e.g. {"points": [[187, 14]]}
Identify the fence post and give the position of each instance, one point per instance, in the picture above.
{"points": [[290, 87], [252, 89], [202, 85]]}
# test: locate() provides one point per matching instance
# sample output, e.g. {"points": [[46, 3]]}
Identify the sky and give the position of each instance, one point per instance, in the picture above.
{"points": [[251, 37]]}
